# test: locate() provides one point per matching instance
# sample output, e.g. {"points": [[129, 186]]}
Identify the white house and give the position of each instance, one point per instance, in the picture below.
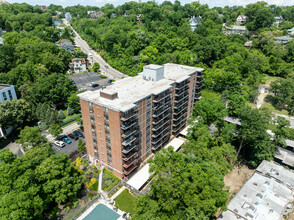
{"points": [[7, 93], [278, 20], [195, 22], [67, 16], [78, 65], [241, 19], [291, 31], [235, 29]]}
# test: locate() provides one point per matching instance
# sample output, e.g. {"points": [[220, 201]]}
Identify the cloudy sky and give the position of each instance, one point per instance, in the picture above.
{"points": [[100, 3]]}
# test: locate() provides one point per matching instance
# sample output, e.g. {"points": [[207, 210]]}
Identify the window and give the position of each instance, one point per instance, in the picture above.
{"points": [[107, 141], [90, 104], [106, 118], [109, 156], [148, 154], [108, 148], [106, 126], [4, 96], [110, 164], [91, 112], [10, 95], [96, 155], [107, 134]]}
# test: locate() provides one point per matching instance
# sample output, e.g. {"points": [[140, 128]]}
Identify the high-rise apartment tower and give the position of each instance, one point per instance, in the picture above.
{"points": [[128, 121]]}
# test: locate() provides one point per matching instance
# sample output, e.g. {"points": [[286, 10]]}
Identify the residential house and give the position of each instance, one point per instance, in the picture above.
{"points": [[43, 7], [220, 15], [263, 88], [58, 12], [235, 29], [7, 93], [278, 20], [78, 65], [241, 19], [135, 117], [282, 39], [195, 22], [67, 16], [67, 45], [291, 31], [95, 15], [248, 44], [4, 2]]}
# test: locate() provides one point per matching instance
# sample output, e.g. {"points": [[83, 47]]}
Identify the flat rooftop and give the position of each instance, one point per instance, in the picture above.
{"points": [[266, 195], [4, 86], [133, 89], [285, 156]]}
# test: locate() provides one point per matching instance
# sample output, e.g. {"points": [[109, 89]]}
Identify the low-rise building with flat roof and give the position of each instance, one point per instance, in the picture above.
{"points": [[267, 195]]}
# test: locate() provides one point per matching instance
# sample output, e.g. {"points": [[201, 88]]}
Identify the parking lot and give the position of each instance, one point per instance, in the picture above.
{"points": [[67, 149], [83, 81]]}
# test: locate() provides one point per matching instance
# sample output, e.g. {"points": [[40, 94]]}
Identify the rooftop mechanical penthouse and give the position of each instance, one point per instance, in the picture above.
{"points": [[128, 121]]}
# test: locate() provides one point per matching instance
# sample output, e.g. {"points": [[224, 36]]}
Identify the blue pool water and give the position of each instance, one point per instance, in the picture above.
{"points": [[102, 212]]}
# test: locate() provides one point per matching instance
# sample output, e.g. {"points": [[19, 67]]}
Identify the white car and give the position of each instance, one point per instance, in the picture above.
{"points": [[59, 143]]}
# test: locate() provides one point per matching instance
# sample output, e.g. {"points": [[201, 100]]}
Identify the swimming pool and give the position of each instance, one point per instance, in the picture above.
{"points": [[102, 212]]}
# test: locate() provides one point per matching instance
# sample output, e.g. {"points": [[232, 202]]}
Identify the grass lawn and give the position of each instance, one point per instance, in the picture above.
{"points": [[124, 202], [273, 109]]}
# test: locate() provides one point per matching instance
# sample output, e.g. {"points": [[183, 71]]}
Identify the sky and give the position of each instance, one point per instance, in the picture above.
{"points": [[100, 3]]}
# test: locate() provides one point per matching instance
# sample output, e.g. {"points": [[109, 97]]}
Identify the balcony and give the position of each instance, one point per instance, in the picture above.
{"points": [[130, 169], [128, 149], [129, 133], [156, 134], [129, 163], [129, 156], [179, 98], [161, 111], [160, 118], [160, 97], [179, 127], [161, 124], [127, 125], [129, 140], [129, 116]]}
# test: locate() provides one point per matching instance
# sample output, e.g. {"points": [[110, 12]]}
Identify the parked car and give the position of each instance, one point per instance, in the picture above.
{"points": [[59, 143], [59, 138], [80, 134], [94, 85], [66, 140], [110, 81], [73, 136]]}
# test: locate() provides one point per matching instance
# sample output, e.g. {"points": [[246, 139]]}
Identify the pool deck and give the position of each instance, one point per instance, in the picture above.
{"points": [[101, 201]]}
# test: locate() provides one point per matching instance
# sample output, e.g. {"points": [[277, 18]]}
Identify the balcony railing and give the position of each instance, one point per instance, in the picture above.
{"points": [[129, 133], [128, 149], [129, 156], [160, 112], [129, 116], [129, 140], [158, 126], [130, 169], [129, 163], [161, 97], [126, 126], [159, 119], [178, 127], [160, 132]]}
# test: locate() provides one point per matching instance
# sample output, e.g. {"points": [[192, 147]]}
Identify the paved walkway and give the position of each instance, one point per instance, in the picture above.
{"points": [[66, 130], [118, 192]]}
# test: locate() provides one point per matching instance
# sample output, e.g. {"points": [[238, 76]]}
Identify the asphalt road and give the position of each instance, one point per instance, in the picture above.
{"points": [[104, 66]]}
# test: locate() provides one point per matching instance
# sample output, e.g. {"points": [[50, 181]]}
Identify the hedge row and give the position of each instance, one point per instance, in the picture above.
{"points": [[69, 120]]}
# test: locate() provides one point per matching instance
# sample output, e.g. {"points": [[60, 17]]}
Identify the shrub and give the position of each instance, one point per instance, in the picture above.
{"points": [[95, 187], [43, 126], [88, 185], [93, 180], [90, 195], [61, 115], [103, 77], [69, 120], [73, 154], [69, 110], [81, 146]]}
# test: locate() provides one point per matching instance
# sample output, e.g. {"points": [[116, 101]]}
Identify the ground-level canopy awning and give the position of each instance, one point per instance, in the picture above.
{"points": [[142, 176], [176, 143]]}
